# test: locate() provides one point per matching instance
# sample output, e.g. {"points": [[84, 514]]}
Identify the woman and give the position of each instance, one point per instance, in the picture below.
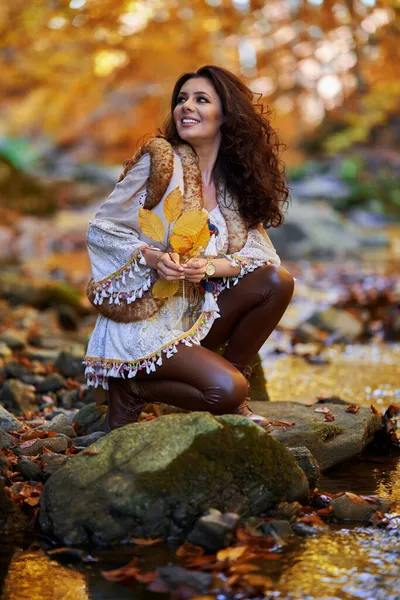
{"points": [[219, 149]]}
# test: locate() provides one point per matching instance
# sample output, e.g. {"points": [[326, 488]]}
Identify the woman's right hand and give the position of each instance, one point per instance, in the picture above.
{"points": [[168, 267]]}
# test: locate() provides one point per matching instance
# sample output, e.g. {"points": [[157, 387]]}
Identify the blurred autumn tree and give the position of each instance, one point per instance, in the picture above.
{"points": [[92, 76]]}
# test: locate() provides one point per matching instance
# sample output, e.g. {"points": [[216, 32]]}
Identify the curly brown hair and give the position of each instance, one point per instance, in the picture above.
{"points": [[248, 159]]}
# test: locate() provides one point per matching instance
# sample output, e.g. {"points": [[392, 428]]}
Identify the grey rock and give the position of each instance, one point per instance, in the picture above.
{"points": [[286, 511], [84, 441], [12, 520], [148, 479], [59, 424], [329, 326], [308, 464], [280, 528], [174, 576], [89, 419], [69, 365], [14, 342], [29, 469], [58, 443], [24, 449], [69, 399], [52, 463], [350, 507], [18, 397], [306, 529], [14, 369], [6, 440], [330, 443], [52, 383], [214, 530], [8, 422]]}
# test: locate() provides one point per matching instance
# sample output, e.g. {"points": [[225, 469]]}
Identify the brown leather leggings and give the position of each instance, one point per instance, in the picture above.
{"points": [[198, 379]]}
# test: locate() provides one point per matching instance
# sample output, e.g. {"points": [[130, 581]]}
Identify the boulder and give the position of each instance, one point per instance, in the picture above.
{"points": [[8, 422], [89, 419], [308, 464], [69, 364], [350, 507], [156, 478], [214, 530], [59, 424], [330, 443], [329, 326]]}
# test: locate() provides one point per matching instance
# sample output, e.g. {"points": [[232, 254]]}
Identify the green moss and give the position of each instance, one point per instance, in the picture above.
{"points": [[326, 430]]}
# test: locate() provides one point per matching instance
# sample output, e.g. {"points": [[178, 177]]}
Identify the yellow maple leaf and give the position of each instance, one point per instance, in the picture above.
{"points": [[190, 223], [173, 205], [180, 243], [200, 240], [151, 225], [164, 289]]}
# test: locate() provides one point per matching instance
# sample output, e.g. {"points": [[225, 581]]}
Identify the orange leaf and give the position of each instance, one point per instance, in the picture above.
{"points": [[353, 408], [258, 580], [190, 223], [245, 568], [189, 549], [173, 205], [180, 243], [164, 289], [151, 225], [375, 410], [313, 520], [200, 240], [146, 542], [90, 452], [231, 553], [281, 424]]}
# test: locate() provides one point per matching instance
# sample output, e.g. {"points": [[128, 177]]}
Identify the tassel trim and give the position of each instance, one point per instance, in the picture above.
{"points": [[110, 286], [247, 265], [99, 369]]}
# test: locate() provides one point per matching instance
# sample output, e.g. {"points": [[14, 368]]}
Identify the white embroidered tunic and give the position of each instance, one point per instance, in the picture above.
{"points": [[114, 245]]}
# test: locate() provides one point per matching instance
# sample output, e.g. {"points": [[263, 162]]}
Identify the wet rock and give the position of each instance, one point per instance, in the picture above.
{"points": [[58, 443], [174, 576], [84, 441], [146, 479], [286, 511], [214, 531], [29, 469], [6, 440], [280, 528], [59, 424], [305, 529], [12, 520], [89, 419], [8, 422], [52, 383], [350, 507], [19, 398], [308, 464], [330, 443], [69, 399], [69, 365]]}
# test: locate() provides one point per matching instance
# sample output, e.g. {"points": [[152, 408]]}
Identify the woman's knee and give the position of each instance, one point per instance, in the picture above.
{"points": [[227, 392], [276, 281]]}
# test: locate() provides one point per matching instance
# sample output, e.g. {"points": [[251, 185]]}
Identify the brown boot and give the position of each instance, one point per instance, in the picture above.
{"points": [[245, 410], [124, 403]]}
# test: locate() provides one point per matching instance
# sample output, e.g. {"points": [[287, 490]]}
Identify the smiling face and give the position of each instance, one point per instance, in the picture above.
{"points": [[198, 113]]}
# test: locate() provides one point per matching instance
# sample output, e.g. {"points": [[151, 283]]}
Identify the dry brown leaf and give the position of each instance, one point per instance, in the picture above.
{"points": [[322, 409], [313, 520], [164, 289], [281, 424], [231, 553], [173, 205], [328, 417], [151, 225], [189, 550], [89, 452], [375, 410], [245, 568]]}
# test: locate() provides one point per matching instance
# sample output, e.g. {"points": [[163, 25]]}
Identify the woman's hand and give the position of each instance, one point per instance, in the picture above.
{"points": [[195, 269], [168, 267]]}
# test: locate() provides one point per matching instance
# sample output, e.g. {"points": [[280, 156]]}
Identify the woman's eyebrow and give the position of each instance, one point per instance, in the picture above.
{"points": [[185, 93]]}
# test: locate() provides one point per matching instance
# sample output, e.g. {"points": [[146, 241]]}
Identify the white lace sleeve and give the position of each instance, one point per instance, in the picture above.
{"points": [[257, 252], [119, 269]]}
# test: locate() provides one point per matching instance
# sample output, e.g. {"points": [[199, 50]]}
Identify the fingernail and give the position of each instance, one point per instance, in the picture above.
{"points": [[182, 277]]}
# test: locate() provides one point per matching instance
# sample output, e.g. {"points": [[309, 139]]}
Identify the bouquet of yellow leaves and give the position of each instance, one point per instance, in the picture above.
{"points": [[189, 235]]}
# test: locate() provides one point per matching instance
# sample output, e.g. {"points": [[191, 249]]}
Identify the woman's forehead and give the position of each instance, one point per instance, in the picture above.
{"points": [[198, 85]]}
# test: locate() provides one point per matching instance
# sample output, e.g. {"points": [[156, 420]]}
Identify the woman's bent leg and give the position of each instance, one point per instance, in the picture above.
{"points": [[250, 311], [195, 378]]}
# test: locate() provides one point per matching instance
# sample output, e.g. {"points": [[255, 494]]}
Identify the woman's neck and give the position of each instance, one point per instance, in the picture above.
{"points": [[207, 153]]}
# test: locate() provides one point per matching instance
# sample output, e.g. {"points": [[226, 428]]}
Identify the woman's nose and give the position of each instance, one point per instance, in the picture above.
{"points": [[188, 105]]}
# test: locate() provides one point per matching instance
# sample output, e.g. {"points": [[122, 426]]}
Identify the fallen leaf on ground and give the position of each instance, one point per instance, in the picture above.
{"points": [[353, 408], [281, 424], [90, 452], [322, 409], [375, 410], [313, 520], [231, 553], [329, 417], [189, 550]]}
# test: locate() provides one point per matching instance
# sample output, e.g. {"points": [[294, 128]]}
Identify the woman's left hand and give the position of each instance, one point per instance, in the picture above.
{"points": [[195, 269]]}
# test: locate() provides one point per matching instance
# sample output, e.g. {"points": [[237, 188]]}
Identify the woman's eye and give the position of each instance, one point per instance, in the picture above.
{"points": [[202, 98]]}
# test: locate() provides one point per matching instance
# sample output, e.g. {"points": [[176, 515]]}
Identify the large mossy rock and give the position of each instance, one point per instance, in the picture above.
{"points": [[330, 443], [156, 478]]}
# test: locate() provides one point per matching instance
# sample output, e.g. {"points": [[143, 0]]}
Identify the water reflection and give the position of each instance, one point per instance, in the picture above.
{"points": [[345, 565], [33, 576]]}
